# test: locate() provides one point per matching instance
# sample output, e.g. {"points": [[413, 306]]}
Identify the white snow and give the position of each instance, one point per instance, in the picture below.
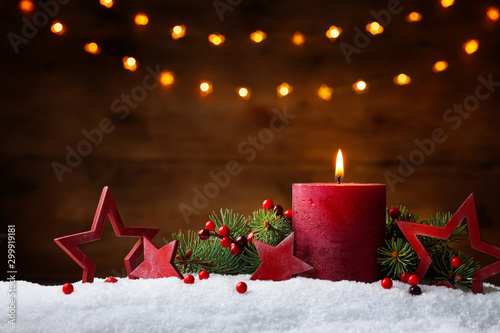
{"points": [[213, 305]]}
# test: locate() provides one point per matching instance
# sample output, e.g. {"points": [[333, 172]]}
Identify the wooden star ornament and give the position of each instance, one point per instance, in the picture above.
{"points": [[158, 263], [467, 210], [105, 208], [278, 262]]}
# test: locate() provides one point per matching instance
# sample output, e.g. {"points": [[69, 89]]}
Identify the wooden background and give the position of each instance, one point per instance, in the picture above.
{"points": [[156, 157]]}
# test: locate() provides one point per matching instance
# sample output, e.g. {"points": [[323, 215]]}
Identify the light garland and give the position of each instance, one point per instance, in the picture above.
{"points": [[324, 92]]}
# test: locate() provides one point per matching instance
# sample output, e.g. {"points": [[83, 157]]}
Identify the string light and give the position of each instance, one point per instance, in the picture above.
{"points": [[298, 38], [129, 63], [178, 31], [57, 28], [402, 79], [492, 13], [141, 19], [447, 3], [166, 78], [413, 17], [325, 92], [216, 39], [333, 32], [258, 36], [92, 48], [243, 92], [374, 28], [107, 3], [471, 46], [360, 87], [440, 66], [284, 89], [26, 6], [206, 87]]}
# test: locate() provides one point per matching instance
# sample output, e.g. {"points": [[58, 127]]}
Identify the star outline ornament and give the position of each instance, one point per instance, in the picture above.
{"points": [[292, 265], [466, 210], [105, 209], [158, 262]]}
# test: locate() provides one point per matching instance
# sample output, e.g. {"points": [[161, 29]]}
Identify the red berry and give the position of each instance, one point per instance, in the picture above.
{"points": [[235, 249], [415, 290], [267, 204], [404, 276], [241, 241], [250, 237], [456, 262], [203, 275], [210, 226], [386, 283], [189, 279], [413, 279], [394, 213], [204, 234], [278, 209], [241, 287], [67, 288], [224, 231], [225, 242], [110, 279], [288, 214]]}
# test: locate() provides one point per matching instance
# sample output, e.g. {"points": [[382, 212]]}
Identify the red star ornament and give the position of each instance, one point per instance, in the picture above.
{"points": [[158, 263], [106, 207], [278, 262], [467, 210]]}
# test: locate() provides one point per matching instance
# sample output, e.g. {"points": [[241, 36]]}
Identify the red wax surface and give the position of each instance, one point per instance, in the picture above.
{"points": [[338, 229]]}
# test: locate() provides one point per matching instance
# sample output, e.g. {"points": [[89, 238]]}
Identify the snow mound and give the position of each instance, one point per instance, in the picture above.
{"points": [[213, 305]]}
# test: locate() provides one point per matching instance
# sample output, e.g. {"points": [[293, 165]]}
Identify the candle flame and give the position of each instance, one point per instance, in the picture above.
{"points": [[339, 167]]}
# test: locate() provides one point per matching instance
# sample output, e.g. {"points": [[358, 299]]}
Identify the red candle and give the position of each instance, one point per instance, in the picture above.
{"points": [[339, 228]]}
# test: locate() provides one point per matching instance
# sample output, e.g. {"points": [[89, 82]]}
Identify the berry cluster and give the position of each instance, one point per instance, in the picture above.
{"points": [[269, 204], [236, 246], [412, 279]]}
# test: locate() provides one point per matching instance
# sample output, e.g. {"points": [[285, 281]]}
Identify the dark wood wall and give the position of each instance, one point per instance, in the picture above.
{"points": [[158, 154]]}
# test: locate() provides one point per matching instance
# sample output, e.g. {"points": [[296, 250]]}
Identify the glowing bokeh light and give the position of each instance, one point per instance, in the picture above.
{"points": [[92, 48], [298, 38], [333, 32], [284, 89], [402, 79], [258, 36], [57, 28], [493, 13], [178, 31], [414, 17], [471, 46], [216, 39], [374, 28], [141, 19], [166, 78], [107, 3], [129, 63], [325, 92], [439, 66]]}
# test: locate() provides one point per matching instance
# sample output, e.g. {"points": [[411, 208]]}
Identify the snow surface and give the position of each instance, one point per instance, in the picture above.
{"points": [[213, 305]]}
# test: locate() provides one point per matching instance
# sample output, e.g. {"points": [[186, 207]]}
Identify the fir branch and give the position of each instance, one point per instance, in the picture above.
{"points": [[268, 227], [460, 277], [396, 257]]}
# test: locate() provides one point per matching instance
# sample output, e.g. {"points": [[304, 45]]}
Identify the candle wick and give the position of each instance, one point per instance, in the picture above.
{"points": [[338, 179]]}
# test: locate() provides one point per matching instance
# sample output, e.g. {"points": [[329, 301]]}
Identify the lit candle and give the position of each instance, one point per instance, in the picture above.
{"points": [[339, 228]]}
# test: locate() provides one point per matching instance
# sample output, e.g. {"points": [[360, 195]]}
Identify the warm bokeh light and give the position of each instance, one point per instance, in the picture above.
{"points": [[107, 3], [243, 92], [413, 17], [284, 89], [298, 38], [360, 86], [92, 48], [166, 78], [402, 79], [493, 13], [440, 66], [339, 167], [141, 19], [129, 63], [325, 92], [26, 6], [57, 28], [333, 32], [374, 28], [471, 46], [205, 87], [216, 39], [178, 31], [258, 36], [447, 3]]}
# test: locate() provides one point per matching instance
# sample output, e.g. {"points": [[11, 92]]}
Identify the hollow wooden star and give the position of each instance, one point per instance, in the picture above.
{"points": [[278, 262], [466, 210], [158, 263], [105, 208]]}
